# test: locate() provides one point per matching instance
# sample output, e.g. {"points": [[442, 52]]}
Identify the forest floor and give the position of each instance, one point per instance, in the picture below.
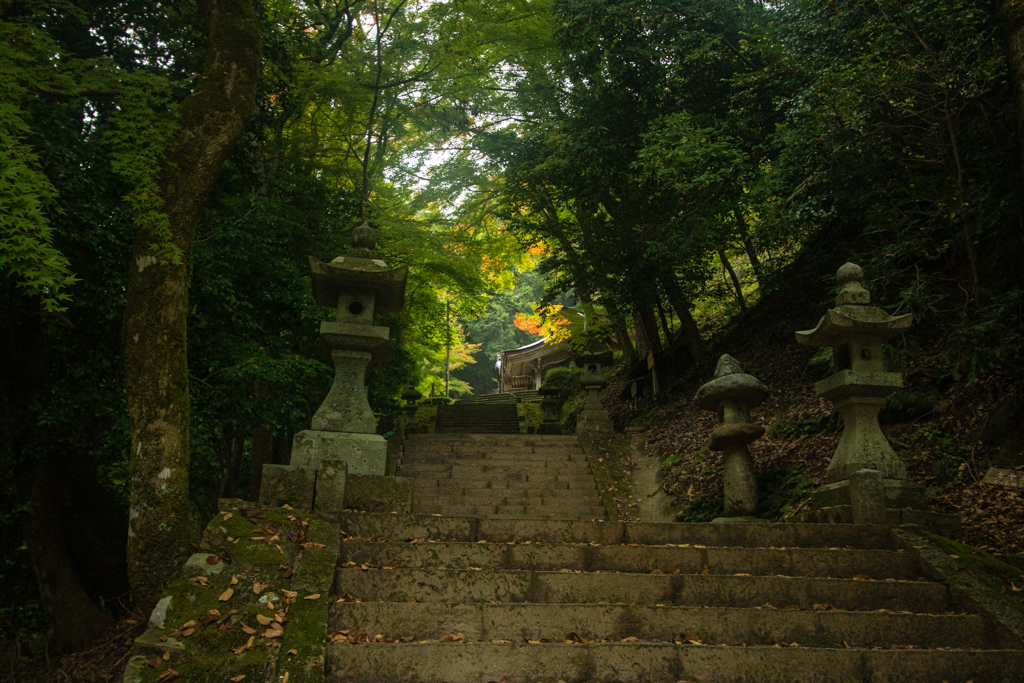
{"points": [[102, 662], [948, 432]]}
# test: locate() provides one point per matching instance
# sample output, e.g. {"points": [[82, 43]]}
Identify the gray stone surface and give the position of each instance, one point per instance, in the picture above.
{"points": [[730, 395], [380, 494], [867, 497], [331, 494], [288, 484], [363, 453], [346, 408]]}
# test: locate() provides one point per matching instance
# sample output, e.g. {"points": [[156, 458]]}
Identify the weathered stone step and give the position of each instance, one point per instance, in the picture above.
{"points": [[652, 662], [488, 440], [514, 486], [562, 498], [450, 585], [711, 625], [401, 527], [875, 564], [452, 487], [461, 468], [566, 511], [501, 458]]}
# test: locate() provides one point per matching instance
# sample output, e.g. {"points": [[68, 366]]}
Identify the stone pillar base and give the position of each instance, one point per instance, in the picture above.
{"points": [[897, 493], [363, 453], [594, 421]]}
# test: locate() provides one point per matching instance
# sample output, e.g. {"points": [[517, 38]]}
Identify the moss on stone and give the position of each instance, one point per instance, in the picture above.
{"points": [[610, 461], [998, 577], [281, 562]]}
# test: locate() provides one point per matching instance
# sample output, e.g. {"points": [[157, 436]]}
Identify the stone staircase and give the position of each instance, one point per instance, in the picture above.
{"points": [[441, 598], [501, 475], [485, 418]]}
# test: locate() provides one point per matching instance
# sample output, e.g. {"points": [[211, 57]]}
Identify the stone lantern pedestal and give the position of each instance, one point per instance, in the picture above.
{"points": [[731, 395], [594, 418], [864, 472]]}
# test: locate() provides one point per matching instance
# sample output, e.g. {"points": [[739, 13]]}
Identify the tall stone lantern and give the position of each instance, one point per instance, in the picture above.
{"points": [[858, 387], [357, 285], [593, 358]]}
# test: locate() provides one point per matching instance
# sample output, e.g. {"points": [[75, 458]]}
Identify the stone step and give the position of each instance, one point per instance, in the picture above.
{"points": [[491, 479], [515, 487], [509, 457], [508, 488], [566, 511], [405, 526], [562, 497], [489, 440], [461, 468], [452, 487], [651, 662], [845, 564], [452, 585], [711, 625]]}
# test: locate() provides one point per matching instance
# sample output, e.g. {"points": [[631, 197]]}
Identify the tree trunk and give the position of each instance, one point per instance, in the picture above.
{"points": [[664, 323], [162, 527], [621, 333], [748, 244], [694, 343], [76, 620], [738, 288], [647, 339], [1012, 14]]}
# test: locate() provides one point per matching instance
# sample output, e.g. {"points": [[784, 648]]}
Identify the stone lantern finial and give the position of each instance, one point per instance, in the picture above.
{"points": [[851, 291], [731, 394]]}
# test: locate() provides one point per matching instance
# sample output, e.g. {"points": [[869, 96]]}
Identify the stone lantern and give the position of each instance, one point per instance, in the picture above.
{"points": [[731, 394], [551, 408], [410, 396], [858, 387], [594, 417], [357, 285]]}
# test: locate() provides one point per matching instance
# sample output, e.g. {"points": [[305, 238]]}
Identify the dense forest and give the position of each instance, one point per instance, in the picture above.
{"points": [[169, 168]]}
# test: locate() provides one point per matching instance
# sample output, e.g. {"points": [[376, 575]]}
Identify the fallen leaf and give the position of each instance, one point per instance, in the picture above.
{"points": [[167, 656], [187, 632], [861, 577], [187, 624], [289, 594], [248, 629], [226, 595], [234, 579], [264, 620], [237, 679], [273, 633], [228, 516], [258, 587], [314, 596], [168, 675], [242, 648], [293, 651]]}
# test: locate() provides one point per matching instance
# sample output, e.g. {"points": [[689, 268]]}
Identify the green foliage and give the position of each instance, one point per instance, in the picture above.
{"points": [[941, 453], [778, 490], [823, 423], [702, 507], [566, 380]]}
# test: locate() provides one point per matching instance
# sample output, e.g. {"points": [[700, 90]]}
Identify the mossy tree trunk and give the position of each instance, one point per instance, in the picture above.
{"points": [[162, 526]]}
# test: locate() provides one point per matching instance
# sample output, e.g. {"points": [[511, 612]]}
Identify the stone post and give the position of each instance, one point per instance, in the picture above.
{"points": [[864, 472], [731, 395]]}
